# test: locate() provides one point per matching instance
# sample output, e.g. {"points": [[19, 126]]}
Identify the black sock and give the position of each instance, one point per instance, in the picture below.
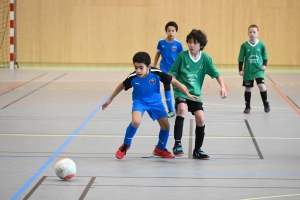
{"points": [[178, 128], [247, 99], [264, 96], [199, 137]]}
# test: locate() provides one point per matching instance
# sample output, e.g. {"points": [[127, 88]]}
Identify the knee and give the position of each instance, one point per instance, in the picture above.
{"points": [[135, 124], [181, 111]]}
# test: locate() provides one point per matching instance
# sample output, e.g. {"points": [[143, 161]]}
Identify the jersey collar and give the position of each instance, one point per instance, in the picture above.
{"points": [[191, 57], [253, 44]]}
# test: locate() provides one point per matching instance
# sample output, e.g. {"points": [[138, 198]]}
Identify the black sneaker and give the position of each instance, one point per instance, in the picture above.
{"points": [[267, 107], [199, 154], [247, 110], [177, 149]]}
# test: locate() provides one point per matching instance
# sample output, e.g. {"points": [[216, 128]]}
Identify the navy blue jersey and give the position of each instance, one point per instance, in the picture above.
{"points": [[147, 90]]}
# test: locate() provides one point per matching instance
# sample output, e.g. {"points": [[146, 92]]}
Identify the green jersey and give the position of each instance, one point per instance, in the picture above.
{"points": [[253, 55], [191, 73]]}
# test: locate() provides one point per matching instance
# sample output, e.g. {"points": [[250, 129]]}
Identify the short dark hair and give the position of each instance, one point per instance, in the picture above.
{"points": [[142, 57], [198, 36], [253, 26], [171, 23]]}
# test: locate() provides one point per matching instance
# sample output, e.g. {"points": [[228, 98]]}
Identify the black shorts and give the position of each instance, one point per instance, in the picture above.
{"points": [[250, 83], [193, 106]]}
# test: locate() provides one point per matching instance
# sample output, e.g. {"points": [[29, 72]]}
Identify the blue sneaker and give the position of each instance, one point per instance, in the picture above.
{"points": [[199, 154], [177, 149]]}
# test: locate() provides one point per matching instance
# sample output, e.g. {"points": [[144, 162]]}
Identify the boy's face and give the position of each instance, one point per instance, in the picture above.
{"points": [[171, 32], [141, 69], [194, 46], [253, 33]]}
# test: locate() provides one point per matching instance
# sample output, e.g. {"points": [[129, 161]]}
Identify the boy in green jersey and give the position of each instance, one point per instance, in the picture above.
{"points": [[253, 53], [190, 68]]}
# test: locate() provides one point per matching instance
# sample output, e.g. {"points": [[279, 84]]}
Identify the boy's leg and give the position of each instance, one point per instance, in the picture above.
{"points": [[247, 96], [263, 94], [169, 102], [178, 126], [200, 133], [130, 132], [160, 149]]}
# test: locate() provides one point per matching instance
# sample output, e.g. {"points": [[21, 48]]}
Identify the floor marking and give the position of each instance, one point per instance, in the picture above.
{"points": [[293, 102], [191, 139], [35, 187], [271, 80], [33, 91], [142, 136], [254, 141], [87, 188], [286, 99], [19, 85], [26, 185], [269, 197]]}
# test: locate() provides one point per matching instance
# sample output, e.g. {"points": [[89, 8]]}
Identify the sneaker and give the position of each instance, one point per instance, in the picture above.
{"points": [[162, 153], [247, 110], [171, 114], [267, 107], [122, 151], [199, 154], [177, 149]]}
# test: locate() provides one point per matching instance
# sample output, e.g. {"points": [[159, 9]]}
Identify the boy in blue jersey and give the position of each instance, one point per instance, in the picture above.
{"points": [[190, 69], [168, 48], [146, 96]]}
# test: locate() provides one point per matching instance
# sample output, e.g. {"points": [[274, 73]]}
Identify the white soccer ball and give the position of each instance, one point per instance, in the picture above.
{"points": [[65, 168]]}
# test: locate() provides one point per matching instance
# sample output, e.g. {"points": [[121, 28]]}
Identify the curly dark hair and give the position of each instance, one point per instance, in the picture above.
{"points": [[198, 36], [142, 57], [171, 23]]}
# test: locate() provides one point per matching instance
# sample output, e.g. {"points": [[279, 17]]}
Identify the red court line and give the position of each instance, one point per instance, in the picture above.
{"points": [[286, 99], [10, 87]]}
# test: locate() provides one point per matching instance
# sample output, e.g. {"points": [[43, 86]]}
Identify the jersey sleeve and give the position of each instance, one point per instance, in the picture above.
{"points": [[127, 81], [158, 48], [164, 77], [242, 54], [264, 52], [211, 68]]}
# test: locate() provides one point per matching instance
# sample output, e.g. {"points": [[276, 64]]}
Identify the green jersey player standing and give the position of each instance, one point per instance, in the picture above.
{"points": [[190, 68], [253, 53]]}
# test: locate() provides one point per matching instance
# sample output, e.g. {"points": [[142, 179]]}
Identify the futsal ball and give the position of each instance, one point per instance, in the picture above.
{"points": [[65, 168]]}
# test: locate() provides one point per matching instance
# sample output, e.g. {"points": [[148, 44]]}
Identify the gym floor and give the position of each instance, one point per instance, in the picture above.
{"points": [[50, 113]]}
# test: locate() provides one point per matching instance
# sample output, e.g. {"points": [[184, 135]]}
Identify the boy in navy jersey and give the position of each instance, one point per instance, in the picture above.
{"points": [[168, 48], [146, 96], [254, 54]]}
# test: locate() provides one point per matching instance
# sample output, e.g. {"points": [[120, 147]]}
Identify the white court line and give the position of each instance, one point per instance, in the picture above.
{"points": [[288, 195]]}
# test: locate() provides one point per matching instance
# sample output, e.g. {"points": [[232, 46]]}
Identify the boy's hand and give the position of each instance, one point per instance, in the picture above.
{"points": [[106, 104], [223, 93], [241, 73], [193, 97], [263, 67]]}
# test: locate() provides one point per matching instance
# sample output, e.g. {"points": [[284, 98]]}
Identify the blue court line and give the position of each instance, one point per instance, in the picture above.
{"points": [[25, 186]]}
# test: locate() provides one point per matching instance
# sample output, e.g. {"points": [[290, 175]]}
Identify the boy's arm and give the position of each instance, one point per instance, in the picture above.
{"points": [[118, 89], [183, 89], [241, 72], [156, 58], [223, 92]]}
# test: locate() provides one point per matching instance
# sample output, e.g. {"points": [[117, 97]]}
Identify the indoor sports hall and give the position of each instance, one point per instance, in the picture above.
{"points": [[61, 60]]}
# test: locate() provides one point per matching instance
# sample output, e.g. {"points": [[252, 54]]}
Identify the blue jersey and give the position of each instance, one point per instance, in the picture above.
{"points": [[147, 90], [168, 51]]}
